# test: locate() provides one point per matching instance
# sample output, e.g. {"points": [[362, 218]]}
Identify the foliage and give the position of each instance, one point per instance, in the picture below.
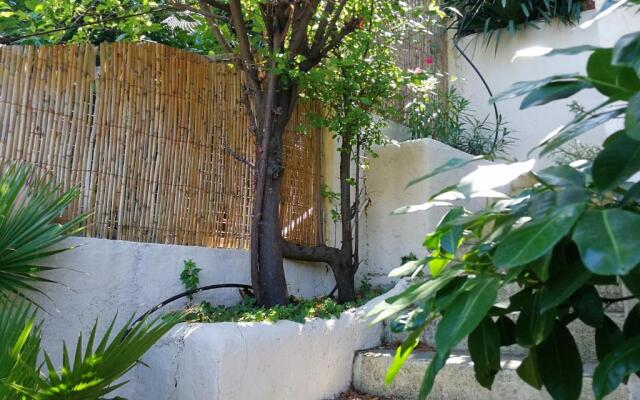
{"points": [[571, 231], [29, 209], [189, 276], [298, 310], [448, 118], [575, 151], [494, 16]]}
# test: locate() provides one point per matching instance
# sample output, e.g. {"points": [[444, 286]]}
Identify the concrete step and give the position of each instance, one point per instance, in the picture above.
{"points": [[455, 381], [583, 334]]}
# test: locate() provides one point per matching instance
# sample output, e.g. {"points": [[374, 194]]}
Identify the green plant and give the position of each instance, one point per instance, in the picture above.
{"points": [[573, 230], [448, 118], [189, 276], [29, 209], [494, 16]]}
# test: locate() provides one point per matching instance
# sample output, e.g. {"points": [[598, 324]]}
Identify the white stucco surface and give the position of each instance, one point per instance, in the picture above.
{"points": [[103, 277], [242, 361], [390, 237], [531, 125]]}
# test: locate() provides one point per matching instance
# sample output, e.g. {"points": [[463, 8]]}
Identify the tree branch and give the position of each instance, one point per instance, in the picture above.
{"points": [[320, 253]]}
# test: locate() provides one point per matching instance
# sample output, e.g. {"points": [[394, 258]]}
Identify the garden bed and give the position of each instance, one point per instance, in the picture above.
{"points": [[265, 360]]}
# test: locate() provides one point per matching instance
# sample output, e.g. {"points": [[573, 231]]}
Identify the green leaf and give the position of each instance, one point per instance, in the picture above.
{"points": [[554, 91], [626, 51], [521, 88], [450, 239], [534, 240], [533, 325], [608, 337], [561, 175], [529, 371], [631, 326], [588, 306], [623, 361], [450, 165], [565, 280], [632, 281], [608, 241], [632, 194], [619, 160], [561, 370], [402, 354], [467, 310], [437, 363], [541, 266], [407, 268], [507, 329], [484, 347], [632, 117], [616, 82]]}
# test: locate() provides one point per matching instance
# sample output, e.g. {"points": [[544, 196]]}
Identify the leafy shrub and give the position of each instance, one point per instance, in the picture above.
{"points": [[190, 276], [558, 240], [448, 118]]}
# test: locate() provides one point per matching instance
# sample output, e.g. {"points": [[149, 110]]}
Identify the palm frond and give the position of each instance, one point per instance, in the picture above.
{"points": [[19, 348], [94, 373], [29, 209]]}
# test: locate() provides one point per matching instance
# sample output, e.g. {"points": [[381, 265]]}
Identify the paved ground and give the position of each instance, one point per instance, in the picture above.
{"points": [[355, 395]]}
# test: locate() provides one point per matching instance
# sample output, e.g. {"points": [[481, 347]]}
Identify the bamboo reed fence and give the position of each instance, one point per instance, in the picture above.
{"points": [[155, 138]]}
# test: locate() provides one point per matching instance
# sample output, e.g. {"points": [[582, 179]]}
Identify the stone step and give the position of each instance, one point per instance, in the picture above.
{"points": [[584, 336], [455, 381]]}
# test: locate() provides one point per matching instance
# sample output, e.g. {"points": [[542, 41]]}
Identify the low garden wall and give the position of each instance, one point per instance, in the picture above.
{"points": [[241, 361]]}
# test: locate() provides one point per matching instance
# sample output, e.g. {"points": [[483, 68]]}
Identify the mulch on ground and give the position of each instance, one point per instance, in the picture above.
{"points": [[353, 394]]}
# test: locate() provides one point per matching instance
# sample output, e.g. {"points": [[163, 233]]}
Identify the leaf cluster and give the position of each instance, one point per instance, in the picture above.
{"points": [[570, 231]]}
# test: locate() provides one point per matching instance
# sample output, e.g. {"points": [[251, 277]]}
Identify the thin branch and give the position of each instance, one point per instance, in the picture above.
{"points": [[233, 154]]}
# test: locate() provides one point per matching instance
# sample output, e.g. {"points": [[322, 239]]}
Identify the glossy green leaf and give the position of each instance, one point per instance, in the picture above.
{"points": [[402, 354], [484, 347], [608, 337], [437, 363], [619, 160], [561, 175], [533, 325], [587, 305], [631, 326], [632, 281], [616, 82], [466, 311], [565, 280], [633, 194], [541, 266], [450, 239], [534, 240], [554, 91], [529, 370], [626, 51], [450, 165], [507, 330], [561, 366], [632, 117], [623, 361], [608, 241], [521, 88]]}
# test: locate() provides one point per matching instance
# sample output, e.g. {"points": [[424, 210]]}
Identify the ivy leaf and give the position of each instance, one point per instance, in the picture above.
{"points": [[554, 91], [632, 117], [563, 283], [623, 361], [436, 364], [529, 372], [533, 325], [619, 160], [466, 311], [608, 337], [608, 241], [534, 240], [561, 370], [484, 347], [626, 51], [588, 306]]}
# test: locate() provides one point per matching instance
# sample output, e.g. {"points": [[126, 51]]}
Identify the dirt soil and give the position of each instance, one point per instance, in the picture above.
{"points": [[353, 394]]}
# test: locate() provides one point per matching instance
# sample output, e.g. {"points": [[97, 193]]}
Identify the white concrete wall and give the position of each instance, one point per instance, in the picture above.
{"points": [[533, 124], [243, 361], [390, 237], [103, 277]]}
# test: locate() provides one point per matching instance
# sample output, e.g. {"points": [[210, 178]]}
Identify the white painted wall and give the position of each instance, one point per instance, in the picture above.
{"points": [[104, 277], [533, 124], [390, 237], [243, 361]]}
